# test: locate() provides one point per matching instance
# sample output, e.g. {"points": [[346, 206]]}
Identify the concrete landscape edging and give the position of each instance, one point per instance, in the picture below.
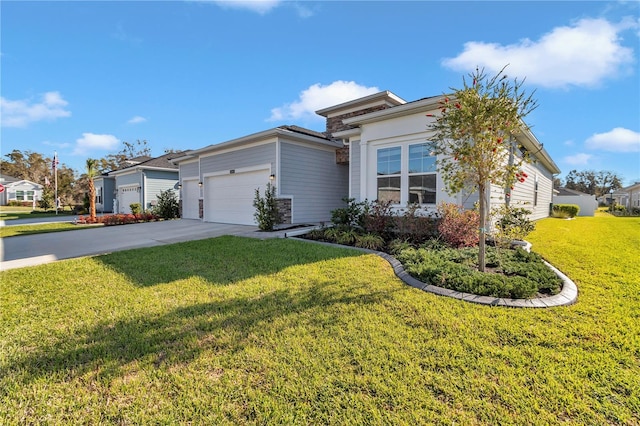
{"points": [[567, 296]]}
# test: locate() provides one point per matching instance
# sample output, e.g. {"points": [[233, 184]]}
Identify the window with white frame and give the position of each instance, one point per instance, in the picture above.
{"points": [[422, 174], [24, 195], [389, 170], [406, 174]]}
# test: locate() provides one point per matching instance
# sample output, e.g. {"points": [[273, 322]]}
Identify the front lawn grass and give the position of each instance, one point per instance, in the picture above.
{"points": [[242, 331], [17, 230]]}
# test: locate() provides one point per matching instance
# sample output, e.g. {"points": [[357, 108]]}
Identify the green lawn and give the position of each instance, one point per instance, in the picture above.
{"points": [[17, 230], [242, 331]]}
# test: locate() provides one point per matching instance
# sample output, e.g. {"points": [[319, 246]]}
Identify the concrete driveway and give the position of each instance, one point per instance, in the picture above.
{"points": [[29, 250]]}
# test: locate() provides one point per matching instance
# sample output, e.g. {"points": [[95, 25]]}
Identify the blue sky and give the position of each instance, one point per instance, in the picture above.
{"points": [[80, 77]]}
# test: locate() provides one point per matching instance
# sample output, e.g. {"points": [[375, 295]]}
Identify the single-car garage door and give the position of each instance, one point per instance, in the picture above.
{"points": [[127, 195], [190, 197], [229, 198]]}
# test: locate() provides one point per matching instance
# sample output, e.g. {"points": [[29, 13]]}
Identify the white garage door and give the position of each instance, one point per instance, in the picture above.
{"points": [[127, 196], [190, 196], [229, 198]]}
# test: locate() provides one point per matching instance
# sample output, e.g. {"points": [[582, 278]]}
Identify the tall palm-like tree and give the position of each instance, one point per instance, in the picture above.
{"points": [[92, 171]]}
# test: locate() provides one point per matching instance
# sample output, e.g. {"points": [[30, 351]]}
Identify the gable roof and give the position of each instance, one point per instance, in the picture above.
{"points": [[571, 192], [162, 162], [7, 178], [297, 133]]}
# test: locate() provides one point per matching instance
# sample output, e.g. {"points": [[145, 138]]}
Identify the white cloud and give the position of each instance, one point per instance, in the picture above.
{"points": [[259, 6], [137, 119], [317, 97], [22, 112], [579, 159], [91, 142], [616, 140], [583, 54]]}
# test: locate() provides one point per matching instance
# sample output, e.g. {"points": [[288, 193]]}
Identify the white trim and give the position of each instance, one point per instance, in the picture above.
{"points": [[239, 170], [238, 148]]}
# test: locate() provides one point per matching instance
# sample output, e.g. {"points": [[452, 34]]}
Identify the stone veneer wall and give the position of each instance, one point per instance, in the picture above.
{"points": [[284, 210], [200, 208], [335, 124]]}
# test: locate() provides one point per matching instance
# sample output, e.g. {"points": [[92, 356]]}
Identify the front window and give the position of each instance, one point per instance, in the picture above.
{"points": [[20, 195], [407, 174], [389, 168], [422, 174]]}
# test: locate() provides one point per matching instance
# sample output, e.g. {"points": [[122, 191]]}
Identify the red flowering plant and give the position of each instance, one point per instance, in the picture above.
{"points": [[475, 139]]}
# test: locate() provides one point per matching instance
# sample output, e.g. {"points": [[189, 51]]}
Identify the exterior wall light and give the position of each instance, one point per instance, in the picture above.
{"points": [[200, 184], [272, 176]]}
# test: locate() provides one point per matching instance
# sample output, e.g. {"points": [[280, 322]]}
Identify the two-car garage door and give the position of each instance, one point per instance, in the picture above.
{"points": [[229, 198]]}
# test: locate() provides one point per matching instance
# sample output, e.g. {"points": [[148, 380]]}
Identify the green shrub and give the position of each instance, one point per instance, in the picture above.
{"points": [[512, 223], [565, 210], [369, 241], [136, 208], [167, 206], [346, 236], [398, 245], [352, 215], [517, 274], [266, 213]]}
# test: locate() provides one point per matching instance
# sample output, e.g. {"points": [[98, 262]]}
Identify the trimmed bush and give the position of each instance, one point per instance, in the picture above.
{"points": [[167, 207], [521, 274], [565, 210], [352, 215], [458, 227], [266, 213], [136, 208]]}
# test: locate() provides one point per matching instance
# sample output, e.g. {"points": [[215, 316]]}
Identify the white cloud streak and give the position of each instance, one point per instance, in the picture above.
{"points": [[136, 120], [317, 97], [94, 142], [21, 113], [616, 140], [580, 159], [259, 6], [583, 54]]}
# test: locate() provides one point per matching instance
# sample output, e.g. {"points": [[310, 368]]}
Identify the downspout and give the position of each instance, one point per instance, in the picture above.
{"points": [[143, 190]]}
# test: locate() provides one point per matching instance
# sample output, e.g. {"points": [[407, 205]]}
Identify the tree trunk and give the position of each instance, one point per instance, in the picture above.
{"points": [[482, 231], [92, 199]]}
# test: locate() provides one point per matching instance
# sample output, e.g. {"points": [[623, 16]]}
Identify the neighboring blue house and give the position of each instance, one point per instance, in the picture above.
{"points": [[140, 181]]}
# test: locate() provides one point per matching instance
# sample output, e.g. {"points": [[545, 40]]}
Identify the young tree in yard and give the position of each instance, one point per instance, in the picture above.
{"points": [[92, 172], [475, 137]]}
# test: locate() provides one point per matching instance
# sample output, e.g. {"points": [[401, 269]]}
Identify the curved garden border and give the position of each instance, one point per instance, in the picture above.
{"points": [[567, 296]]}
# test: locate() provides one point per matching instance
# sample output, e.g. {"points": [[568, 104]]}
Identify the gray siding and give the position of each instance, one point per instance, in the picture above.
{"points": [[316, 183], [354, 164], [189, 170], [158, 181], [253, 156], [108, 187], [128, 179]]}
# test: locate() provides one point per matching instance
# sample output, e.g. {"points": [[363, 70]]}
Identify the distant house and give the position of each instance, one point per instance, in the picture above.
{"points": [[20, 191], [140, 181], [587, 203], [374, 148], [633, 196]]}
